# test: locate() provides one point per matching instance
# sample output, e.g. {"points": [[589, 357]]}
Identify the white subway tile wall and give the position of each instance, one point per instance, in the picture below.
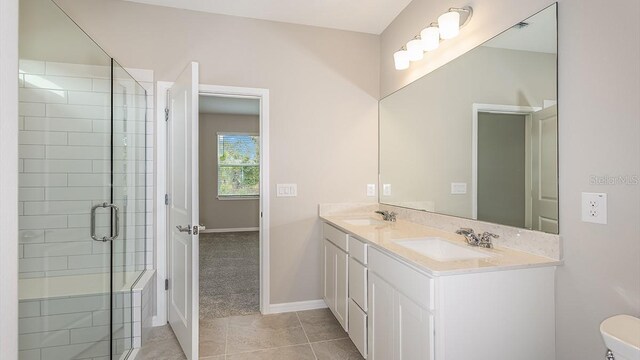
{"points": [[78, 327], [65, 168]]}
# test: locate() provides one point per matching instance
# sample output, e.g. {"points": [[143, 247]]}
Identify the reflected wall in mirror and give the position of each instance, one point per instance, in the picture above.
{"points": [[477, 138]]}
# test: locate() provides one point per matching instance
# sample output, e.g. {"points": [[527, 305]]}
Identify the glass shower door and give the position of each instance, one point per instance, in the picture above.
{"points": [[82, 201]]}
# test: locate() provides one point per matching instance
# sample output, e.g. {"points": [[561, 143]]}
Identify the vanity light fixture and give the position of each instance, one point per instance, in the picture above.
{"points": [[401, 59], [447, 27], [449, 24], [430, 37], [415, 50]]}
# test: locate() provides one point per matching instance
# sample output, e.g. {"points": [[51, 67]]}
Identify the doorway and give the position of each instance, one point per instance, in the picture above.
{"points": [[229, 176], [514, 181], [178, 164]]}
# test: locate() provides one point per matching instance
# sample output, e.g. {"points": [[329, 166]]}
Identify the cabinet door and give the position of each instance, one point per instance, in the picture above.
{"points": [[330, 275], [381, 321], [342, 287], [413, 330]]}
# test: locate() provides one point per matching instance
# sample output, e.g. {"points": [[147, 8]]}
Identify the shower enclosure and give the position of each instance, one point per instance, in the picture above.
{"points": [[82, 193]]}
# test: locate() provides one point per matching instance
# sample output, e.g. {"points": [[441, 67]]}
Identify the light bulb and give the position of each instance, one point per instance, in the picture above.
{"points": [[414, 50], [449, 24], [430, 38], [401, 60]]}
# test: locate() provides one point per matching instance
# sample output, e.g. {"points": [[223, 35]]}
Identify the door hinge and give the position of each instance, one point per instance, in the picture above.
{"points": [[260, 213], [166, 284], [166, 199], [166, 114]]}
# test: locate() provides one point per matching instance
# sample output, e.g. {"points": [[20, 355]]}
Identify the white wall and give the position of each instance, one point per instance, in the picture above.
{"points": [[323, 97], [599, 87], [9, 179], [216, 213]]}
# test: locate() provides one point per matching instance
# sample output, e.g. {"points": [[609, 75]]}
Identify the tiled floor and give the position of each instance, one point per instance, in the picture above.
{"points": [[313, 335], [229, 274]]}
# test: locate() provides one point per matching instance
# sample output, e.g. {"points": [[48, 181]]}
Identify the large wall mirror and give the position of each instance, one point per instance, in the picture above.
{"points": [[477, 138]]}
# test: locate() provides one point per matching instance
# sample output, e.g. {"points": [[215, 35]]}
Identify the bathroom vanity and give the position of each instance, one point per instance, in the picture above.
{"points": [[407, 291]]}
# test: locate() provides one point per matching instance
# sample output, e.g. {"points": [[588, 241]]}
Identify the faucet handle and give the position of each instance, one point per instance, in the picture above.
{"points": [[487, 235], [485, 239], [464, 231], [392, 216]]}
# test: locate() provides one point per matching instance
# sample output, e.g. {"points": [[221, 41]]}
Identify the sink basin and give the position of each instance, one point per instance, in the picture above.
{"points": [[364, 222], [441, 249]]}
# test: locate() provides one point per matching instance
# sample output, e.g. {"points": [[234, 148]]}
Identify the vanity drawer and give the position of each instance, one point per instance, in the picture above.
{"points": [[358, 250], [358, 283], [416, 286], [337, 237], [358, 328]]}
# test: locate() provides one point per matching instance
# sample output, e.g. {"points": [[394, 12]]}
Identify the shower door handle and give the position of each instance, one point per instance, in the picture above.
{"points": [[116, 222]]}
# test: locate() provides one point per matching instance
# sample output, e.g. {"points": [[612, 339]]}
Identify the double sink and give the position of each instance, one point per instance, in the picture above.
{"points": [[436, 248]]}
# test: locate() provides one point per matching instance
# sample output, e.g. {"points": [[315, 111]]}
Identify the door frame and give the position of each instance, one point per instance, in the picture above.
{"points": [[161, 213], [495, 109], [9, 178]]}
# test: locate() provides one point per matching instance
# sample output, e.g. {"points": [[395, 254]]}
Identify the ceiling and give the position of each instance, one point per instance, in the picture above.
{"points": [[538, 36], [367, 16], [227, 105]]}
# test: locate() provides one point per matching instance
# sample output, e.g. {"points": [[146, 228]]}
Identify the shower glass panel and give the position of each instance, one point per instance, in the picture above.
{"points": [[129, 194], [82, 183]]}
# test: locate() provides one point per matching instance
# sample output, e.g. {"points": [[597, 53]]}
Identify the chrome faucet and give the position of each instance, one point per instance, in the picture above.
{"points": [[473, 239], [387, 216]]}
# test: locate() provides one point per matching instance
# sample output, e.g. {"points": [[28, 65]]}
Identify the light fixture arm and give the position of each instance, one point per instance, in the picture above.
{"points": [[466, 13]]}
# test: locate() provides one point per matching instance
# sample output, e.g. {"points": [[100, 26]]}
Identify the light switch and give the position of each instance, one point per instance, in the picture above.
{"points": [[286, 190], [386, 189], [458, 188], [371, 189]]}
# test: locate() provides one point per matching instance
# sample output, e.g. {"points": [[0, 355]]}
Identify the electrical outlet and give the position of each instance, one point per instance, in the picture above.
{"points": [[371, 189], [458, 188], [386, 189], [594, 207]]}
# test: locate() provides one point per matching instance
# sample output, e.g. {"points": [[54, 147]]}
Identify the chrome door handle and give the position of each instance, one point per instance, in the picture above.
{"points": [[116, 222], [186, 229]]}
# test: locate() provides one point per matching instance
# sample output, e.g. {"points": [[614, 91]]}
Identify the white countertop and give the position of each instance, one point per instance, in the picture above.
{"points": [[384, 237]]}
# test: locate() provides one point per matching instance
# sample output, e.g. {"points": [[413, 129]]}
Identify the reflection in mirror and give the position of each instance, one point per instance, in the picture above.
{"points": [[477, 138]]}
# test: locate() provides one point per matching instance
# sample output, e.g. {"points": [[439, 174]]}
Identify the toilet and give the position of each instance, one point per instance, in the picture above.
{"points": [[621, 335]]}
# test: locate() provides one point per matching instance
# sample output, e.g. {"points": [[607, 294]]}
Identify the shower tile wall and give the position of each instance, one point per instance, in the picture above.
{"points": [[78, 327], [64, 167]]}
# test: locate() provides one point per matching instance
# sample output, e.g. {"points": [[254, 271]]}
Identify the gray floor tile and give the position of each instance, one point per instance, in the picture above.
{"points": [[300, 352], [161, 345], [257, 332], [321, 325], [342, 349], [213, 337]]}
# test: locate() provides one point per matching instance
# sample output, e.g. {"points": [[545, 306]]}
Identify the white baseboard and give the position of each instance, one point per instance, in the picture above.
{"points": [[207, 231], [296, 306]]}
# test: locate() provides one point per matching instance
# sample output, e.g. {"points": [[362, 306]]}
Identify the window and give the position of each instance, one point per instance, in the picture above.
{"points": [[238, 165]]}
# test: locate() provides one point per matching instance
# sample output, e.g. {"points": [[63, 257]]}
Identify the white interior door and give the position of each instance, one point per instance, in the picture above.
{"points": [[183, 209], [544, 170]]}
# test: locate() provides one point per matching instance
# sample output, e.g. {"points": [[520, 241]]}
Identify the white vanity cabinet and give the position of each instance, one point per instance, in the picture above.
{"points": [[358, 294], [400, 320], [395, 310], [336, 264], [505, 314]]}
